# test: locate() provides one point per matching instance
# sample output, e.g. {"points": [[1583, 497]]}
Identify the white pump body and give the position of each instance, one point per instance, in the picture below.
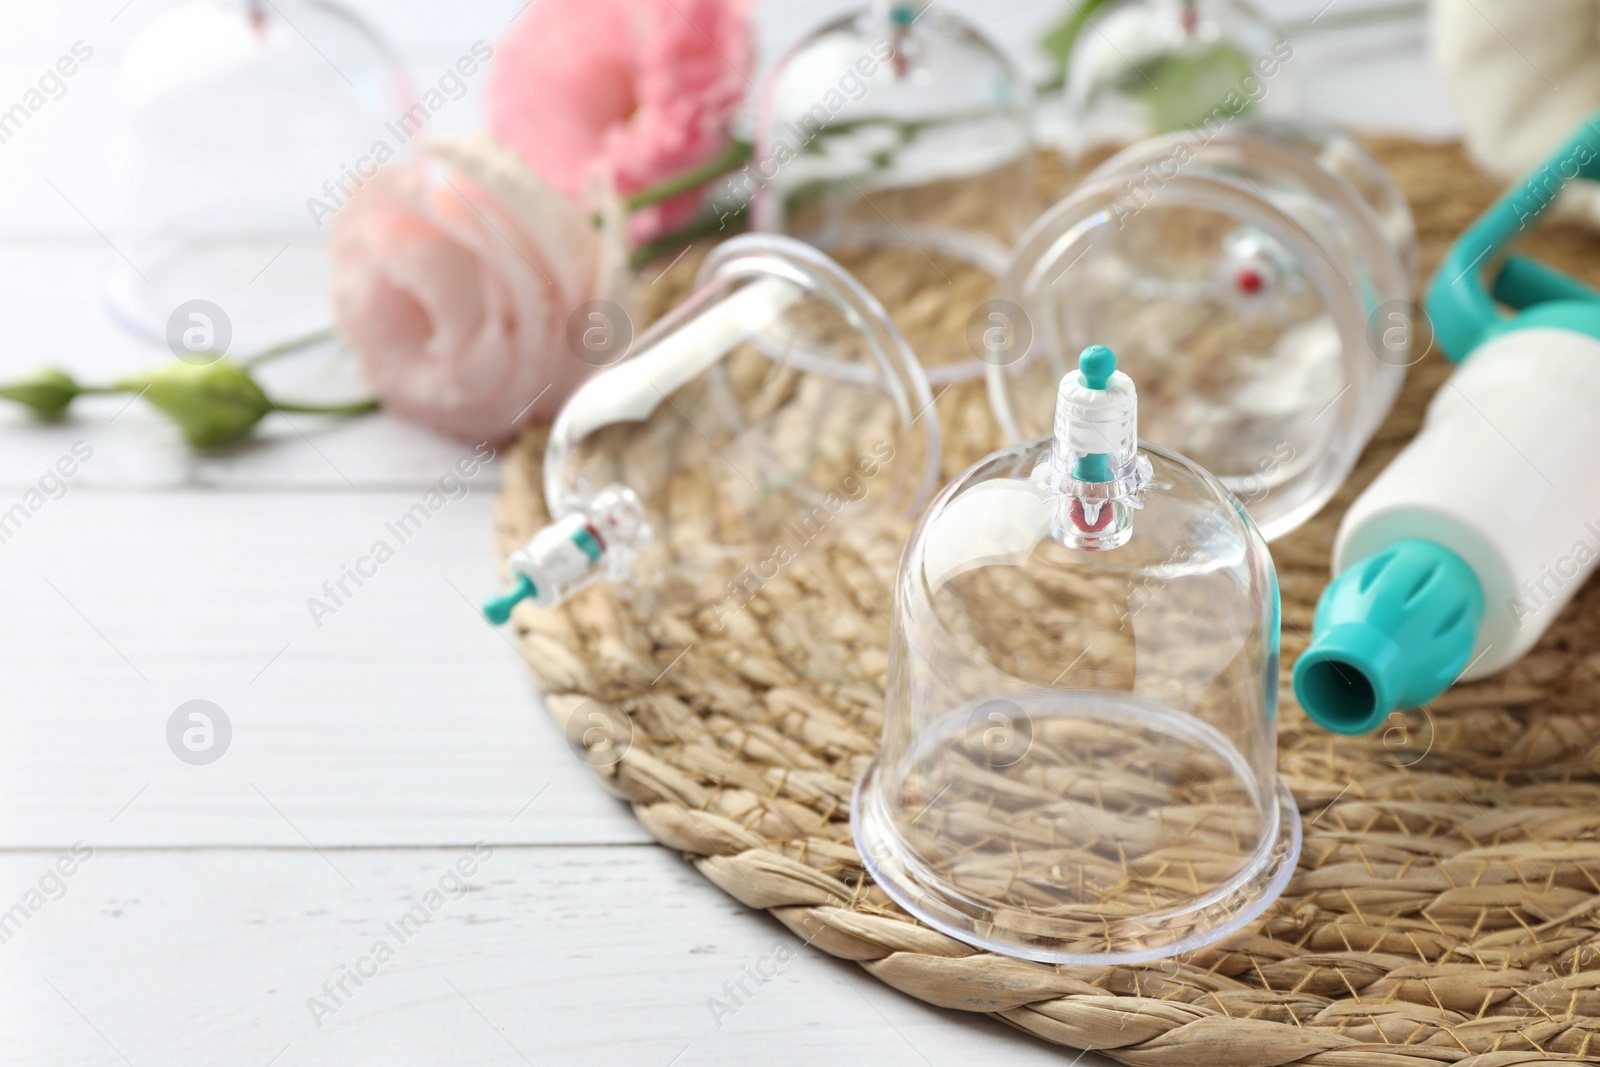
{"points": [[1505, 473]]}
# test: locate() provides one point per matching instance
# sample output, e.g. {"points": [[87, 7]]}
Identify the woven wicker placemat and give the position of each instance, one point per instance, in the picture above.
{"points": [[1447, 904]]}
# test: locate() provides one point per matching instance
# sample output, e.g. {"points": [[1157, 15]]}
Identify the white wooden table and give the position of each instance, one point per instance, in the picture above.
{"points": [[212, 912]]}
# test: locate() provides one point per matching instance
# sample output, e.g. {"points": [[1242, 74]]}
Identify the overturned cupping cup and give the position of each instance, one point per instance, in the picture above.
{"points": [[1256, 280], [773, 406]]}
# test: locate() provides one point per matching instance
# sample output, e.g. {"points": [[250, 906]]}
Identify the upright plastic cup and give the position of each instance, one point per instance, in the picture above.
{"points": [[898, 125], [1079, 744]]}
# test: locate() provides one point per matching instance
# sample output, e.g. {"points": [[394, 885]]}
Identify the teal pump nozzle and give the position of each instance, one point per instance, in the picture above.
{"points": [[1394, 631]]}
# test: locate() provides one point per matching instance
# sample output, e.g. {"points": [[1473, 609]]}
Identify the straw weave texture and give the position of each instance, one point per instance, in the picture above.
{"points": [[1447, 904]]}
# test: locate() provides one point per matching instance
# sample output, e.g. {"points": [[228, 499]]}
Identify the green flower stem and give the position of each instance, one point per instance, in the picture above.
{"points": [[210, 402], [282, 348], [705, 226], [733, 155], [358, 408], [906, 128], [293, 344]]}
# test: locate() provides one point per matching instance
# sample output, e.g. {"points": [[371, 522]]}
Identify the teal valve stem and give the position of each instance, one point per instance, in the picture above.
{"points": [[1096, 365], [498, 609]]}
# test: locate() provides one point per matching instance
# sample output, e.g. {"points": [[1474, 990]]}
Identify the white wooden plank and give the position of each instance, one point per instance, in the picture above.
{"points": [[549, 955], [403, 718], [136, 448]]}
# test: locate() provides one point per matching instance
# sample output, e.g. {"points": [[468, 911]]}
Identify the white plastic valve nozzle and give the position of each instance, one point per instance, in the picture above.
{"points": [[599, 539], [1095, 463]]}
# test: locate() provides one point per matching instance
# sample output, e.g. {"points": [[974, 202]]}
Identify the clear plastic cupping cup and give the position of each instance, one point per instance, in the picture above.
{"points": [[245, 126], [1079, 745], [1256, 279], [899, 126], [1133, 69], [777, 404]]}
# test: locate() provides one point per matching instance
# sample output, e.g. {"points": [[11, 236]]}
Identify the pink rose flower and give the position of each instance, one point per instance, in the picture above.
{"points": [[453, 280], [638, 90]]}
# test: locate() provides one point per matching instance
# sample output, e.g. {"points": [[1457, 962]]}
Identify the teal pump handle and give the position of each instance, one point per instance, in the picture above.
{"points": [[1524, 283], [1465, 312]]}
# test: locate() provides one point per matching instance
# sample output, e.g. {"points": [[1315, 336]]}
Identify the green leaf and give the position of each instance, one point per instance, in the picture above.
{"points": [[211, 403], [1182, 89], [47, 391], [1059, 39]]}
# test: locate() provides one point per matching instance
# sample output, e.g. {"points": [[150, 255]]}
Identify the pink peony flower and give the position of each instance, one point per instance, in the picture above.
{"points": [[638, 90], [453, 282]]}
